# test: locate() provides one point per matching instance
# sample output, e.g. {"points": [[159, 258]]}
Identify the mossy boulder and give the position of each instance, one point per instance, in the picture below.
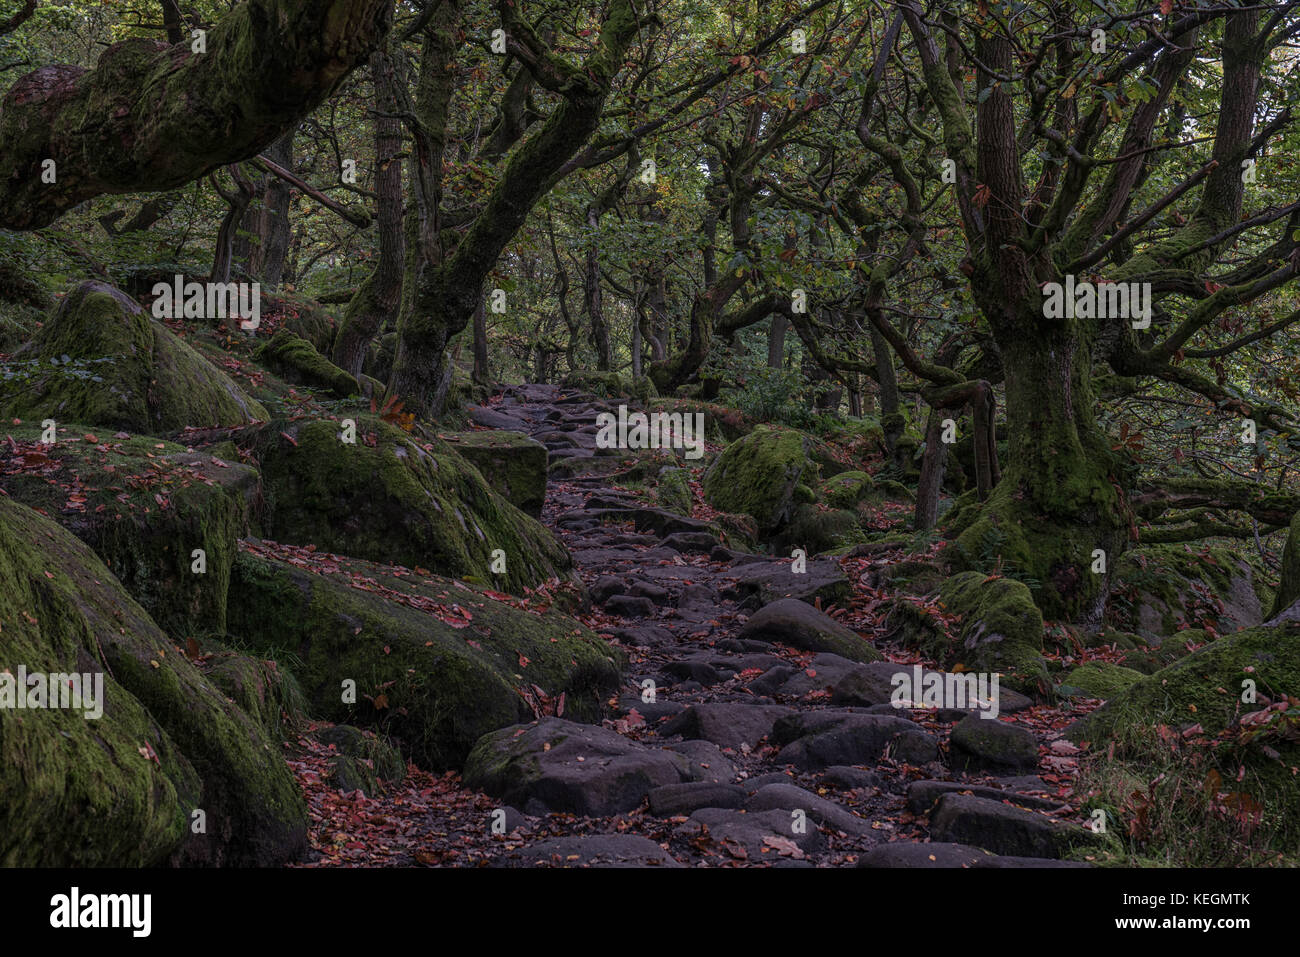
{"points": [[145, 506], [845, 490], [377, 754], [1206, 689], [721, 423], [436, 664], [100, 360], [612, 385], [264, 691], [392, 498], [512, 463], [302, 317], [297, 361], [1159, 590], [121, 790], [1000, 627], [1100, 679], [817, 529], [981, 622], [764, 475]]}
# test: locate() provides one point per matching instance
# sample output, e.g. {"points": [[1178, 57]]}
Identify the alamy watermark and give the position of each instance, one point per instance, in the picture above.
{"points": [[209, 300], [38, 689], [657, 430], [967, 690], [1103, 300]]}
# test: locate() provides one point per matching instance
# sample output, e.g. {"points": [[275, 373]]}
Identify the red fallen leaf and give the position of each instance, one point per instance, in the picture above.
{"points": [[121, 435], [289, 438], [523, 662], [192, 648], [387, 650], [89, 437], [49, 575], [810, 672], [381, 702]]}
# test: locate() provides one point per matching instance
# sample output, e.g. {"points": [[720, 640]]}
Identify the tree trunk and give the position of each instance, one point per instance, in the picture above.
{"points": [[776, 340], [1059, 497], [932, 468], [482, 374], [380, 293], [135, 122]]}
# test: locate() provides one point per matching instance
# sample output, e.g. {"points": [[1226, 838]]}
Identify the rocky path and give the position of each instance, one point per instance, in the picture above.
{"points": [[754, 729]]}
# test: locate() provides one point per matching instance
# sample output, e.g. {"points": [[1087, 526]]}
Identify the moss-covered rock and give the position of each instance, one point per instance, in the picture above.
{"points": [[612, 385], [845, 490], [263, 690], [1159, 590], [982, 623], [764, 475], [297, 361], [145, 506], [377, 754], [122, 790], [1100, 679], [436, 664], [1206, 689], [721, 424], [391, 498], [1001, 629], [512, 463], [102, 361], [817, 529]]}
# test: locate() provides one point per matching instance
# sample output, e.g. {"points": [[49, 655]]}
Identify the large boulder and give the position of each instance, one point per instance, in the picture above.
{"points": [[1159, 590], [392, 498], [512, 463], [765, 475], [123, 789], [145, 507], [436, 664], [101, 360], [557, 765], [1198, 701], [798, 624]]}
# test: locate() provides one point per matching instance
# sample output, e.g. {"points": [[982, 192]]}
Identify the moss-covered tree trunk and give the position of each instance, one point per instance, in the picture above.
{"points": [[1059, 499], [154, 116], [379, 294], [448, 289]]}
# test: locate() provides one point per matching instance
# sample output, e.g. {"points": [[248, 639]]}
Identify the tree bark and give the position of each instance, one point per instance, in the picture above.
{"points": [[380, 293], [152, 116]]}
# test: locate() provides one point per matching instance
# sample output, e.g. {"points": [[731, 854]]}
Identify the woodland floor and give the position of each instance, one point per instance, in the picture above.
{"points": [[687, 631]]}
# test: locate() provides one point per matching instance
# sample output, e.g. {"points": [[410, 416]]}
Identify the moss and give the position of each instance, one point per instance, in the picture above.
{"points": [[61, 607], [760, 474], [1100, 679], [1159, 590], [298, 361], [146, 506], [998, 629], [511, 462], [380, 756], [721, 424], [443, 686], [818, 530], [612, 385], [845, 490], [102, 361], [262, 689], [1205, 689], [391, 498]]}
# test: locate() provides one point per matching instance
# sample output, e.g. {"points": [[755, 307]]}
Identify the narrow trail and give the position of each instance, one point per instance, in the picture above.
{"points": [[782, 752]]}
